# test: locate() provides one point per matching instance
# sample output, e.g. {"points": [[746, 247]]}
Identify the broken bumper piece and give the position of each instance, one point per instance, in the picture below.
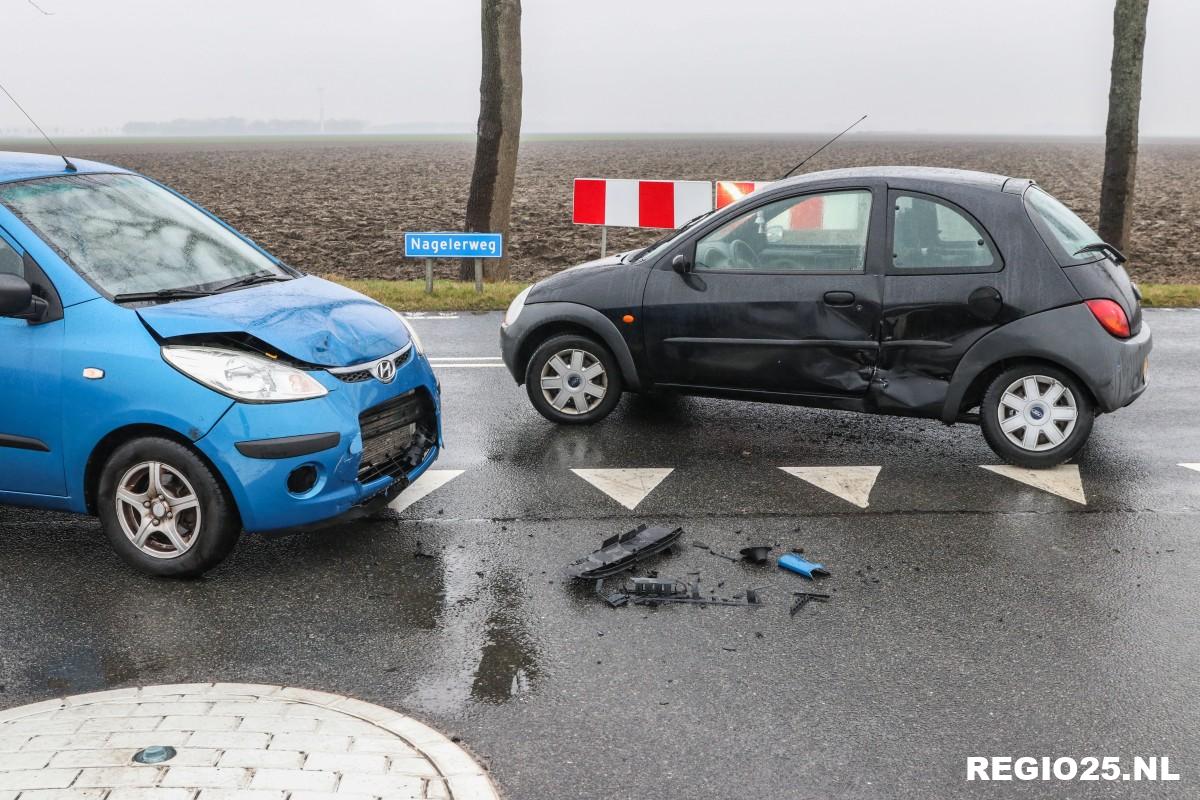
{"points": [[618, 553]]}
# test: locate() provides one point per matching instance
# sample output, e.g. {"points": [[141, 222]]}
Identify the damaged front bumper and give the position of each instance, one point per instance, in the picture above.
{"points": [[379, 438]]}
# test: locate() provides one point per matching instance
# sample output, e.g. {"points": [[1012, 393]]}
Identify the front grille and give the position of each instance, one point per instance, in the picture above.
{"points": [[365, 374], [397, 435]]}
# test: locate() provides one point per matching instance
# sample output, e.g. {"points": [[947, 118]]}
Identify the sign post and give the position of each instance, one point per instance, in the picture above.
{"points": [[453, 245]]}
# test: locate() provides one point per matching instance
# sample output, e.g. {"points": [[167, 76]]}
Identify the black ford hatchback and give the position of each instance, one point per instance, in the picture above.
{"points": [[962, 296]]}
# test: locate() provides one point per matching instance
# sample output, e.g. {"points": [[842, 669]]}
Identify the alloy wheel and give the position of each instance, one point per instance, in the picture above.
{"points": [[574, 381], [1037, 413], [158, 509]]}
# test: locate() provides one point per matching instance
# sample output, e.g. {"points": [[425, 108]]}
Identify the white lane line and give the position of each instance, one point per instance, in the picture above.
{"points": [[430, 481], [852, 484], [423, 316], [464, 358], [628, 487], [1195, 467], [1062, 480], [464, 366]]}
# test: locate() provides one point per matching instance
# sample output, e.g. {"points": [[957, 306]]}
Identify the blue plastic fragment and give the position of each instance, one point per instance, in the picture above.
{"points": [[794, 563]]}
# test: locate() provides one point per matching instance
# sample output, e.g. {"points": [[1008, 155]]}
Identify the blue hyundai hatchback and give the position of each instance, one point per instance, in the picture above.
{"points": [[161, 371]]}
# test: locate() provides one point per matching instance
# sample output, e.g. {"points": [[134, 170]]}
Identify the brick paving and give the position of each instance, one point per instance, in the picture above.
{"points": [[233, 742]]}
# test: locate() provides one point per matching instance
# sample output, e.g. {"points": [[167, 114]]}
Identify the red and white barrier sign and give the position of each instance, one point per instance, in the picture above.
{"points": [[732, 191], [639, 204]]}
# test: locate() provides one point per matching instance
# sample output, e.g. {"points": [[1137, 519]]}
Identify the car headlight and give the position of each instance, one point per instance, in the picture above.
{"points": [[412, 332], [514, 308], [244, 376]]}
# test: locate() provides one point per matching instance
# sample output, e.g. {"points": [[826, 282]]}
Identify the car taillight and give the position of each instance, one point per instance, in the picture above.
{"points": [[1111, 317]]}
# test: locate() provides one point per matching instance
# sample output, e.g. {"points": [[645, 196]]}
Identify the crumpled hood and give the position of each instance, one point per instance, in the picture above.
{"points": [[308, 318]]}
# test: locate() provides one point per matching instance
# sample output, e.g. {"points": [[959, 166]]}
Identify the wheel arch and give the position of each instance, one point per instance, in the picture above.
{"points": [[553, 319], [1065, 337], [115, 439], [979, 384]]}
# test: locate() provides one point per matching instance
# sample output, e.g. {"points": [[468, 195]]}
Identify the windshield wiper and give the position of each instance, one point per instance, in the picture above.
{"points": [[251, 280], [1102, 247], [159, 294]]}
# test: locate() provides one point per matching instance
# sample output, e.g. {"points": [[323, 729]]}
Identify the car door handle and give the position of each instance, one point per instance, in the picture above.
{"points": [[839, 298]]}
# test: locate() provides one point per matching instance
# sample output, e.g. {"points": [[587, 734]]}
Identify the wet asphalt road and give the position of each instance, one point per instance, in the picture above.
{"points": [[972, 615]]}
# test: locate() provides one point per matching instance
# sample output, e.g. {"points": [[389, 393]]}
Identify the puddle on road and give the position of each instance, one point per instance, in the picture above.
{"points": [[382, 610]]}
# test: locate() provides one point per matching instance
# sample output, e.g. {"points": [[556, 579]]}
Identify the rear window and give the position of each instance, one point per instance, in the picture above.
{"points": [[1061, 228]]}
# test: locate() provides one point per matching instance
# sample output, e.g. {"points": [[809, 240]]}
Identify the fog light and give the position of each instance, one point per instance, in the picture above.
{"points": [[302, 479]]}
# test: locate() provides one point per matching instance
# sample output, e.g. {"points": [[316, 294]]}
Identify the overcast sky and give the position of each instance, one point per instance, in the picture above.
{"points": [[942, 66]]}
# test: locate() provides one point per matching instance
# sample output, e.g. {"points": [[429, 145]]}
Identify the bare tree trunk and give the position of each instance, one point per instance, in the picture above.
{"points": [[1121, 136], [489, 205]]}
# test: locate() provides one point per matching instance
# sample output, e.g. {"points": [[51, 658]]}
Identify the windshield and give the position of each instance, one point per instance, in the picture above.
{"points": [[1065, 232], [126, 234], [658, 248]]}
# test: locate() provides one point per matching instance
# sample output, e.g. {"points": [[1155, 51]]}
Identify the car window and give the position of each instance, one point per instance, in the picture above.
{"points": [[929, 234], [812, 233], [1060, 226], [11, 262], [125, 233]]}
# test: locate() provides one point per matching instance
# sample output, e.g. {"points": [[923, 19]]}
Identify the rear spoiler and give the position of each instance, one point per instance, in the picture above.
{"points": [[1017, 185]]}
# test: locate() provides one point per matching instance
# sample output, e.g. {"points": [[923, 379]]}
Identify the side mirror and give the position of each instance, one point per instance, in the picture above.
{"points": [[17, 299], [681, 264]]}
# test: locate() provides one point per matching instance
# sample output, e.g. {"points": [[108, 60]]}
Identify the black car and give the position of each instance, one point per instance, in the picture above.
{"points": [[947, 294]]}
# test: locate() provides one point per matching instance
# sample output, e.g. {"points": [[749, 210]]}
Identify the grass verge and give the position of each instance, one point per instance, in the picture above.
{"points": [[1170, 295], [447, 295], [459, 296]]}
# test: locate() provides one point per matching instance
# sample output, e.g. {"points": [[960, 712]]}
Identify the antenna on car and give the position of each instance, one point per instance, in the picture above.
{"points": [[822, 147], [70, 167]]}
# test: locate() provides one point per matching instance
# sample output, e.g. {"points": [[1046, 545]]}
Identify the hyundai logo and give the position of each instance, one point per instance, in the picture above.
{"points": [[385, 370]]}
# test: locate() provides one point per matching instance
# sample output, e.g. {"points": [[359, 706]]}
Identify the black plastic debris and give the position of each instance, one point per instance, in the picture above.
{"points": [[691, 594], [614, 599], [656, 587], [756, 554], [804, 598], [618, 553]]}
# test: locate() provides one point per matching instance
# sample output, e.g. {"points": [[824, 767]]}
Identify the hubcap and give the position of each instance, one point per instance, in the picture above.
{"points": [[574, 381], [158, 509], [1037, 413]]}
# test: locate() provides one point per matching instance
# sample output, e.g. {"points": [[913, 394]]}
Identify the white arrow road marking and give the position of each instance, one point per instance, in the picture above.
{"points": [[1191, 466], [430, 481], [852, 484], [627, 486], [1062, 480]]}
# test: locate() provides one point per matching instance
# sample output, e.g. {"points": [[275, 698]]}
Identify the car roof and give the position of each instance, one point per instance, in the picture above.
{"points": [[23, 166], [981, 180]]}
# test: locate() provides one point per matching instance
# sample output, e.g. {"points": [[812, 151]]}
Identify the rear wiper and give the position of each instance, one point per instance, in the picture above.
{"points": [[251, 280], [1103, 247], [159, 294]]}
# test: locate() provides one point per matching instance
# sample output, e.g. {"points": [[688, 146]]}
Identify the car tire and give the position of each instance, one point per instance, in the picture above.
{"points": [[1036, 416], [563, 376], [164, 510]]}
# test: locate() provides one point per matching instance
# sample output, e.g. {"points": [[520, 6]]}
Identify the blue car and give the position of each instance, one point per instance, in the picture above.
{"points": [[161, 371]]}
